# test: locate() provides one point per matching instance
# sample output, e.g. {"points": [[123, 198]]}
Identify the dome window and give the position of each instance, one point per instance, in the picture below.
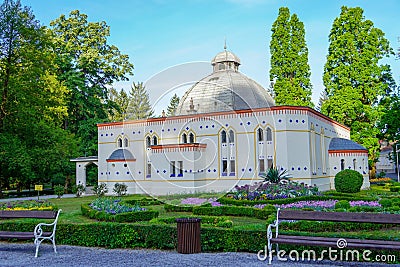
{"points": [[155, 141], [221, 66]]}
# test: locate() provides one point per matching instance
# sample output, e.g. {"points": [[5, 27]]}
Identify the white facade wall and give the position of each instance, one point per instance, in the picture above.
{"points": [[299, 143]]}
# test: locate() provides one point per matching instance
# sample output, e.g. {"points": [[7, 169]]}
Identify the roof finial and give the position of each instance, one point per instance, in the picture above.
{"points": [[225, 44]]}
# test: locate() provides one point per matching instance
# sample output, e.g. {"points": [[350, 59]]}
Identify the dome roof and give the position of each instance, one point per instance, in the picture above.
{"points": [[121, 154], [225, 56], [225, 89], [344, 144]]}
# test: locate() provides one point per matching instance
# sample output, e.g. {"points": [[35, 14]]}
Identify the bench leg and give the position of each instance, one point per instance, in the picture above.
{"points": [[37, 243]]}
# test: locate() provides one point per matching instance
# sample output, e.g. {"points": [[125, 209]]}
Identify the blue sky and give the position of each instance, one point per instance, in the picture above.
{"points": [[158, 34]]}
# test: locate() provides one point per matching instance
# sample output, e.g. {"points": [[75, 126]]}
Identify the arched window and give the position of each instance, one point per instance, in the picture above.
{"points": [[269, 134], [155, 141], [184, 138], [119, 142], [342, 164], [148, 142], [231, 136], [354, 164], [126, 142], [191, 138], [260, 135], [223, 136]]}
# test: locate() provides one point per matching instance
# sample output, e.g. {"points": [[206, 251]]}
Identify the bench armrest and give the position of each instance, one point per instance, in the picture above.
{"points": [[38, 231], [273, 225]]}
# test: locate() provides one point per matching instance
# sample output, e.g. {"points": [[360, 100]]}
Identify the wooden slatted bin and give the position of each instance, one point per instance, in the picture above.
{"points": [[188, 235]]}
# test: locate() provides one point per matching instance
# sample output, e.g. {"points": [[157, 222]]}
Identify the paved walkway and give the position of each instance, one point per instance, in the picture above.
{"points": [[22, 254]]}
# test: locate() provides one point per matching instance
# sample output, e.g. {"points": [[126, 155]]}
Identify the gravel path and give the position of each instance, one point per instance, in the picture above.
{"points": [[22, 254]]}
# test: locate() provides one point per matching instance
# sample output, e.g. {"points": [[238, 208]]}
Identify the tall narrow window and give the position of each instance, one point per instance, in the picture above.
{"points": [[232, 167], [269, 134], [180, 166], [119, 142], [191, 138], [342, 164], [184, 138], [260, 135], [354, 164], [126, 141], [148, 170], [148, 142], [155, 141], [224, 166], [173, 169], [261, 164], [231, 136], [223, 136], [270, 163]]}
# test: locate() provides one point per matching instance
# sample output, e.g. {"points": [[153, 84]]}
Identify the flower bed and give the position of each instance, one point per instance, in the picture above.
{"points": [[110, 209], [28, 205], [326, 204], [270, 191]]}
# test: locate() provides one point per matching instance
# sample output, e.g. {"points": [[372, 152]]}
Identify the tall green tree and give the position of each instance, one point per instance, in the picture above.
{"points": [[353, 78], [33, 101], [121, 99], [88, 64], [290, 71], [139, 104], [173, 104]]}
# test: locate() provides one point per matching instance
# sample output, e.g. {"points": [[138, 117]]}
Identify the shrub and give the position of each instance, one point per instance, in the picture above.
{"points": [[59, 190], [395, 189], [100, 189], [275, 175], [342, 204], [78, 190], [386, 203], [348, 181], [120, 189]]}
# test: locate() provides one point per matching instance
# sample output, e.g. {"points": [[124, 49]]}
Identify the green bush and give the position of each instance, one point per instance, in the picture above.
{"points": [[386, 203], [348, 181], [395, 189], [100, 189], [235, 211], [173, 208], [59, 190], [135, 216], [342, 204], [78, 190], [120, 189]]}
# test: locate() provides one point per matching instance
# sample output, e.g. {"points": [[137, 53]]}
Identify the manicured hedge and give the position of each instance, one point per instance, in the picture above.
{"points": [[337, 196], [218, 221], [174, 208], [121, 217], [122, 235], [143, 202], [235, 211]]}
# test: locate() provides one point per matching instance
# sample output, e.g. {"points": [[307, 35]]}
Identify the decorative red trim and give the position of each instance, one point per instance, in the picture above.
{"points": [[120, 160], [343, 152], [180, 146], [243, 111]]}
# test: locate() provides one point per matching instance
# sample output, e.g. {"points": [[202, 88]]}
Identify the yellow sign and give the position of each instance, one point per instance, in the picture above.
{"points": [[38, 187]]}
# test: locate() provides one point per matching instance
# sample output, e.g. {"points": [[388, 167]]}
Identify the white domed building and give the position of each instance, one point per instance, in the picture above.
{"points": [[226, 132]]}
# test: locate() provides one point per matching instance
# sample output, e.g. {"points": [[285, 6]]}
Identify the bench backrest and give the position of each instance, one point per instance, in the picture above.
{"points": [[339, 216], [39, 214]]}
